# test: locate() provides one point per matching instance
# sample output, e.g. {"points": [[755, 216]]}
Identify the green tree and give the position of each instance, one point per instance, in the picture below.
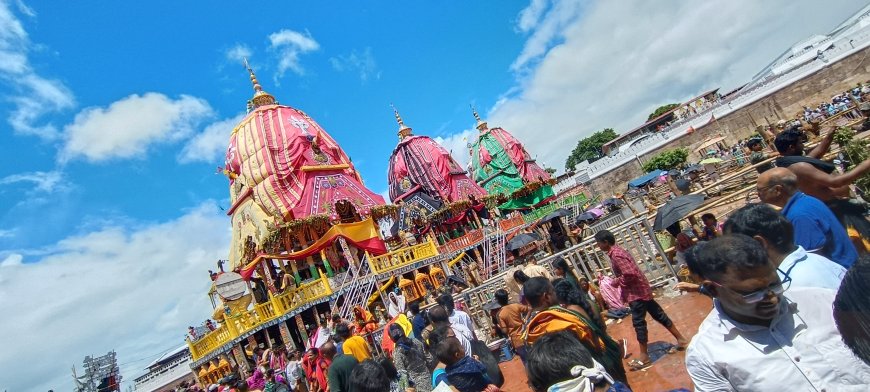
{"points": [[857, 151], [662, 110], [589, 148], [667, 160], [550, 170]]}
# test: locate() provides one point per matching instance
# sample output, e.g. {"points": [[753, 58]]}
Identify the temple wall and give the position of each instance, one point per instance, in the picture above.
{"points": [[787, 103]]}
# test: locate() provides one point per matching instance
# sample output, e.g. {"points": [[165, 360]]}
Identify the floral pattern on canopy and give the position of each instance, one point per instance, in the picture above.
{"points": [[501, 164], [292, 168], [419, 164]]}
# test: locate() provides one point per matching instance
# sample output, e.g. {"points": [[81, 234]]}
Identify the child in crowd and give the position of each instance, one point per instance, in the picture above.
{"points": [[711, 227], [464, 373]]}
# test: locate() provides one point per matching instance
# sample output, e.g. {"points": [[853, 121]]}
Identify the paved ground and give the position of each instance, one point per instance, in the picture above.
{"points": [[667, 372]]}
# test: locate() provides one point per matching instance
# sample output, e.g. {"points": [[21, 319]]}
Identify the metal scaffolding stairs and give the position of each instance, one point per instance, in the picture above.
{"points": [[494, 251], [357, 286]]}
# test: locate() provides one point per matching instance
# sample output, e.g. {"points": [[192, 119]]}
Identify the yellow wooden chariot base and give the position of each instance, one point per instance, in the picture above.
{"points": [[286, 302], [240, 323], [402, 257]]}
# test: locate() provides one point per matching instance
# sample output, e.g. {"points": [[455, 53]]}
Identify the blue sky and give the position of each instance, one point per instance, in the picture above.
{"points": [[431, 68], [115, 115]]}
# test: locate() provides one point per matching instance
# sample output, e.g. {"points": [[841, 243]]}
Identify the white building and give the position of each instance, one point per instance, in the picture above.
{"points": [[166, 372], [802, 59]]}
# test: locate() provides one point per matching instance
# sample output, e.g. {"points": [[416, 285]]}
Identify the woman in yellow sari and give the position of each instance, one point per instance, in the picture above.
{"points": [[549, 316], [365, 322]]}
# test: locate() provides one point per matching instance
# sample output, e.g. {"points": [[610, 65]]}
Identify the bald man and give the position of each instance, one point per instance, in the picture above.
{"points": [[815, 226]]}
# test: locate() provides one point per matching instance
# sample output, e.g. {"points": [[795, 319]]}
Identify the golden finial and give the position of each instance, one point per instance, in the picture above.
{"points": [[404, 130], [481, 125], [261, 98]]}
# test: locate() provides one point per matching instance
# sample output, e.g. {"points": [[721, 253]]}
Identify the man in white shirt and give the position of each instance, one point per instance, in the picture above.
{"points": [[532, 269], [456, 317], [513, 288], [320, 335], [776, 234], [758, 338], [438, 315], [294, 372]]}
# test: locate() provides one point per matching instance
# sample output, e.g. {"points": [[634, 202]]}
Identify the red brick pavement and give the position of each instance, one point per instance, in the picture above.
{"points": [[667, 372]]}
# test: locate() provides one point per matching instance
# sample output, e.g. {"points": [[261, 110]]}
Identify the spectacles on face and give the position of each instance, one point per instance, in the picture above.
{"points": [[759, 295]]}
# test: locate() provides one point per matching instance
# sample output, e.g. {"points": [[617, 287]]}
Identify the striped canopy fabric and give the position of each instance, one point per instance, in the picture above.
{"points": [[292, 167], [501, 164], [419, 164]]}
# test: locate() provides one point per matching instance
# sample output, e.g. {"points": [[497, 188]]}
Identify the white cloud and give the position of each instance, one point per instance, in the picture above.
{"points": [[457, 144], [7, 233], [530, 15], [46, 182], [362, 63], [546, 24], [288, 45], [386, 195], [587, 66], [210, 144], [12, 260], [24, 8], [127, 127], [32, 96], [238, 53], [108, 289]]}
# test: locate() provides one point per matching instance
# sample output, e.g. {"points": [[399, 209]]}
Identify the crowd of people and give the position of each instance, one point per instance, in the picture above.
{"points": [[775, 271], [839, 103], [787, 277]]}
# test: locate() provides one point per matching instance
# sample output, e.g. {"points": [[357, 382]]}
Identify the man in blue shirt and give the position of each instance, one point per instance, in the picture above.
{"points": [[776, 234], [815, 226], [419, 322]]}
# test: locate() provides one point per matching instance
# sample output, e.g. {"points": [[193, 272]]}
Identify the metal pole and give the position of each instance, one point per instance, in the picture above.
{"points": [[659, 247]]}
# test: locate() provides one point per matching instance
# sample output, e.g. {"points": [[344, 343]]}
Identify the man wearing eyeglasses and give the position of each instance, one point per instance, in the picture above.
{"points": [[763, 335], [776, 235]]}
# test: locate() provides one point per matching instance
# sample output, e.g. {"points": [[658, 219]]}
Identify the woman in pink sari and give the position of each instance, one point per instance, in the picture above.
{"points": [[612, 295]]}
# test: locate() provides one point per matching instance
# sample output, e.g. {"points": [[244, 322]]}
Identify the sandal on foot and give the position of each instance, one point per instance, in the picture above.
{"points": [[636, 364]]}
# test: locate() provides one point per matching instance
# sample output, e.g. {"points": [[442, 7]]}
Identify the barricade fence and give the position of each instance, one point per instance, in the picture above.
{"points": [[635, 236]]}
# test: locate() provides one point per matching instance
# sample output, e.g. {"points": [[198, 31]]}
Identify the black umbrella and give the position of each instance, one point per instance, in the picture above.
{"points": [[453, 279], [585, 217], [555, 214], [675, 210], [694, 168], [521, 240], [612, 202]]}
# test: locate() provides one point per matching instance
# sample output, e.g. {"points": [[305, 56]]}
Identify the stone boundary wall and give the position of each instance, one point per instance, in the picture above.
{"points": [[787, 103]]}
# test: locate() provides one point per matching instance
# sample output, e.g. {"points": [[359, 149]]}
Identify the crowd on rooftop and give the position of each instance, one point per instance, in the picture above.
{"points": [[838, 103]]}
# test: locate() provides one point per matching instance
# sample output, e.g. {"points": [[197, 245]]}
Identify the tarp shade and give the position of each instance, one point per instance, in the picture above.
{"points": [[644, 179]]}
